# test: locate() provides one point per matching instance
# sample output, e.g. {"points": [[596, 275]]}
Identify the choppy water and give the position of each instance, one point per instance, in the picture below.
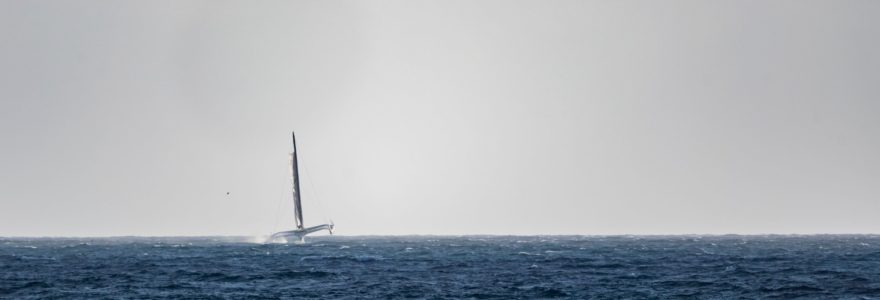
{"points": [[445, 267]]}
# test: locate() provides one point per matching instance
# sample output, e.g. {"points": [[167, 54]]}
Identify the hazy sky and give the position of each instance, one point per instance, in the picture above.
{"points": [[440, 117]]}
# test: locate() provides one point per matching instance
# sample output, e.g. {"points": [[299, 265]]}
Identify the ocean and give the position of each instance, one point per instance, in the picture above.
{"points": [[444, 267]]}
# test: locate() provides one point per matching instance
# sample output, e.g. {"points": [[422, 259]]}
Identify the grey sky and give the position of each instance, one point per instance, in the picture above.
{"points": [[440, 117]]}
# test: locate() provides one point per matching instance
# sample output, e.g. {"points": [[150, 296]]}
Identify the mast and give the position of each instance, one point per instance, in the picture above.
{"points": [[297, 202]]}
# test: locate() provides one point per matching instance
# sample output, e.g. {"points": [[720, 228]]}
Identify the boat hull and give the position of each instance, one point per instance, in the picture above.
{"points": [[299, 235]]}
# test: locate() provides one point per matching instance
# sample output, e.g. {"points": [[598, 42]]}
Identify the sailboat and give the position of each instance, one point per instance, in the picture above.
{"points": [[301, 231]]}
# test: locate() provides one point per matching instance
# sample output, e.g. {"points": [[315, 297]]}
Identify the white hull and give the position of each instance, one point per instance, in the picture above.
{"points": [[299, 235]]}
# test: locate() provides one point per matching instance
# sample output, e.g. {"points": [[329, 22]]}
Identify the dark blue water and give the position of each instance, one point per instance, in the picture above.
{"points": [[445, 267]]}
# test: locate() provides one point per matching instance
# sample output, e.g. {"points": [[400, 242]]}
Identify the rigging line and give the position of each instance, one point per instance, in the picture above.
{"points": [[312, 184], [278, 206]]}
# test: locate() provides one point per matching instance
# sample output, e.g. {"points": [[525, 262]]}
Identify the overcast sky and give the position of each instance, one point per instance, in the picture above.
{"points": [[440, 117]]}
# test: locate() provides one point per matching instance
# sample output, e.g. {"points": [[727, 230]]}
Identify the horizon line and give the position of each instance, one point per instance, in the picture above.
{"points": [[444, 235]]}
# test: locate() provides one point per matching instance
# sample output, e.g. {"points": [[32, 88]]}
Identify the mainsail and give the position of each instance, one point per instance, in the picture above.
{"points": [[294, 171]]}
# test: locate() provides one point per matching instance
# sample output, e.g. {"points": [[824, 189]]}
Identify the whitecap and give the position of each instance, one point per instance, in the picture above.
{"points": [[367, 257]]}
